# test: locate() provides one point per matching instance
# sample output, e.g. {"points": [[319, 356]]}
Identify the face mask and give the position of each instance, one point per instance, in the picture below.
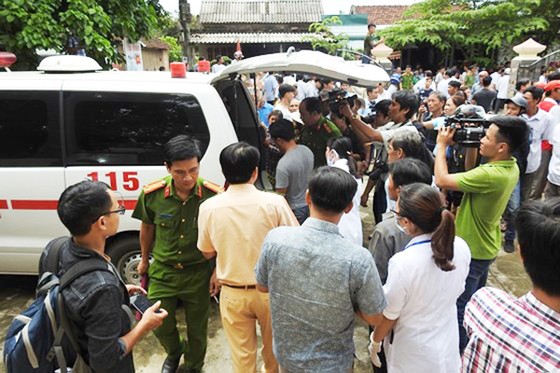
{"points": [[399, 226], [332, 157]]}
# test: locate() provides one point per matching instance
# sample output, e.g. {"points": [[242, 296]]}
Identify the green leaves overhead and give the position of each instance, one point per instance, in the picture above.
{"points": [[475, 24], [325, 40], [47, 24]]}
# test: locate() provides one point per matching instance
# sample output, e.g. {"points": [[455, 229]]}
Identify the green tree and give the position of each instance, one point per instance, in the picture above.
{"points": [[47, 24], [477, 27], [175, 50], [325, 40]]}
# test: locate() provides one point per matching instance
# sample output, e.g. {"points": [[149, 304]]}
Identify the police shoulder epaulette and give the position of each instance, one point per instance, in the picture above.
{"points": [[213, 187], [153, 186]]}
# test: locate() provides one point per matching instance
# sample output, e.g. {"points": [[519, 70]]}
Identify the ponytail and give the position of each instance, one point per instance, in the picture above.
{"points": [[424, 206], [442, 241]]}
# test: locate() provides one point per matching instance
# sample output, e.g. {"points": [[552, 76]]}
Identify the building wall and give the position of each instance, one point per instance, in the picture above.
{"points": [[153, 59]]}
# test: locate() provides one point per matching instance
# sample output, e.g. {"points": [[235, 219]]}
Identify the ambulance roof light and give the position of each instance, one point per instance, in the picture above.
{"points": [[7, 59], [68, 64]]}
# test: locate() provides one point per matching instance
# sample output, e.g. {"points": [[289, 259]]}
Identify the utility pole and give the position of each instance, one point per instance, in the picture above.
{"points": [[185, 18]]}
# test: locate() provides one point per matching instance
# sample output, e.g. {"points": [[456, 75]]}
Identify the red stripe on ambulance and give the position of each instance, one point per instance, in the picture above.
{"points": [[28, 204], [3, 204]]}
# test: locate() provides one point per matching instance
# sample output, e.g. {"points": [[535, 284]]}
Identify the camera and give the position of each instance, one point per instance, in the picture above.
{"points": [[469, 130], [338, 97], [379, 168]]}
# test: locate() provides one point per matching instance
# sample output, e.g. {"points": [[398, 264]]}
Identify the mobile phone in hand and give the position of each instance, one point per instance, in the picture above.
{"points": [[140, 302]]}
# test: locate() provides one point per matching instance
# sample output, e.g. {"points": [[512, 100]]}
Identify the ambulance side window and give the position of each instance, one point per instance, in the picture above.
{"points": [[108, 128], [29, 129]]}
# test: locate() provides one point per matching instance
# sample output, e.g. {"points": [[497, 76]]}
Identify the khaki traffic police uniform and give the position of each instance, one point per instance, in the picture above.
{"points": [[179, 272]]}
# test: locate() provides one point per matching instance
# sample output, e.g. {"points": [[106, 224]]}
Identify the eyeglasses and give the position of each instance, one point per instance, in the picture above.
{"points": [[397, 214], [121, 210]]}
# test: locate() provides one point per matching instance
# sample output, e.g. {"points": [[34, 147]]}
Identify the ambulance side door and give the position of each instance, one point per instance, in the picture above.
{"points": [[31, 172]]}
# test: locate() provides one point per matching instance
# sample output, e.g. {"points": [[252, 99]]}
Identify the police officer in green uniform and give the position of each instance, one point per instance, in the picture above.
{"points": [[317, 130], [179, 274]]}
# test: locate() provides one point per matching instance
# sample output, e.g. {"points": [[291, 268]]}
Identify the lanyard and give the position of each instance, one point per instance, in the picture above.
{"points": [[416, 243]]}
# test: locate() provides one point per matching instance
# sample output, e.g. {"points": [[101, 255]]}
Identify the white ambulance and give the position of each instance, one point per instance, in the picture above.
{"points": [[69, 121]]}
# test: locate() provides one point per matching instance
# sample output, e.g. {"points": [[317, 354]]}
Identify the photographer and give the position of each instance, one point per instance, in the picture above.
{"points": [[404, 105], [486, 192], [381, 118]]}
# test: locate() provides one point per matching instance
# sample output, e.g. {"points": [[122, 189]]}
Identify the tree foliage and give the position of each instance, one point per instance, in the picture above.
{"points": [[47, 24], [175, 50], [475, 26], [325, 40]]}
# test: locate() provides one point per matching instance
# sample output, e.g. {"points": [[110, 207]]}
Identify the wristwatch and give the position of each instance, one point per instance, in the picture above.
{"points": [[355, 116]]}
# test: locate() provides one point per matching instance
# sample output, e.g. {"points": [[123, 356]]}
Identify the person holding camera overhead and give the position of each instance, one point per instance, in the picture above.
{"points": [[404, 104], [486, 193]]}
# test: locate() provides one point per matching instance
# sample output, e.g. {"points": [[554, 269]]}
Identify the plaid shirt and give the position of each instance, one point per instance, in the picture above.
{"points": [[510, 335]]}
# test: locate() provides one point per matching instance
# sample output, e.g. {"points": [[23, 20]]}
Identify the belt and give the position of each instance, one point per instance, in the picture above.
{"points": [[246, 287]]}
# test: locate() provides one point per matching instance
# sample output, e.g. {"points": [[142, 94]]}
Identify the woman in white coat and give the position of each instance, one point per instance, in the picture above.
{"points": [[419, 326], [339, 155]]}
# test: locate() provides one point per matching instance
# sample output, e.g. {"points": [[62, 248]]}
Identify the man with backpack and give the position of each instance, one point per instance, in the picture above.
{"points": [[95, 303]]}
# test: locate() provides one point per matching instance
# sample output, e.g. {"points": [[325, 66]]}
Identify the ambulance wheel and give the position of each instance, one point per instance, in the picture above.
{"points": [[125, 255]]}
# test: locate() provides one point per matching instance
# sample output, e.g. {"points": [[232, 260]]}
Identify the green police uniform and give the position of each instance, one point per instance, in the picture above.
{"points": [[315, 138], [179, 272]]}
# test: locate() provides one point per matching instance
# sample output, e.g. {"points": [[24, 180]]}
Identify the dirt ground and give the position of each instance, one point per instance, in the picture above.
{"points": [[16, 292]]}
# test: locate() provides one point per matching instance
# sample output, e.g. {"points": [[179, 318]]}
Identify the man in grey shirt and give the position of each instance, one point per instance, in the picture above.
{"points": [[388, 238], [294, 168], [318, 282]]}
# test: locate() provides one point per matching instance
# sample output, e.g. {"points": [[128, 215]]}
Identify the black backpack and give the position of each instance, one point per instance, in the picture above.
{"points": [[41, 339]]}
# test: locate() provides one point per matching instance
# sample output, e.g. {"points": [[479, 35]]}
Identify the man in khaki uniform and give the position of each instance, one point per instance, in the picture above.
{"points": [[168, 209], [233, 226]]}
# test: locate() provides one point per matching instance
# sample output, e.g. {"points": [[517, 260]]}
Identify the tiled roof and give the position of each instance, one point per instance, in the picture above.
{"points": [[253, 37], [260, 11], [381, 14], [155, 44]]}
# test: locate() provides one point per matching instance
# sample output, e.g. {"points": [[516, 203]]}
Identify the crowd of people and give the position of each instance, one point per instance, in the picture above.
{"points": [[294, 261]]}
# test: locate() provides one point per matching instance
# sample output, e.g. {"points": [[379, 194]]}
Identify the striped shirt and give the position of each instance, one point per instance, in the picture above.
{"points": [[510, 335]]}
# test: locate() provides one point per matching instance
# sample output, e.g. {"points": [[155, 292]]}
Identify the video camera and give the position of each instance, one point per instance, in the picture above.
{"points": [[338, 97], [469, 130]]}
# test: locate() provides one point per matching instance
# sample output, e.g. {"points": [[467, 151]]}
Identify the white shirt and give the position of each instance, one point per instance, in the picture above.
{"points": [[386, 95], [554, 166], [495, 77], [502, 87], [389, 91], [388, 131], [217, 68], [423, 298], [289, 79], [312, 90], [350, 225], [421, 84], [541, 127], [286, 113], [442, 87], [301, 90]]}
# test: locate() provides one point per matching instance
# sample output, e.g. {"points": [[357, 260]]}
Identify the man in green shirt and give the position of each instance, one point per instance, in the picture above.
{"points": [[168, 209], [487, 189], [317, 130], [406, 78], [370, 41]]}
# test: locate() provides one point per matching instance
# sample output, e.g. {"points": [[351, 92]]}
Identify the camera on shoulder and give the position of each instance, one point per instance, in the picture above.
{"points": [[469, 124]]}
